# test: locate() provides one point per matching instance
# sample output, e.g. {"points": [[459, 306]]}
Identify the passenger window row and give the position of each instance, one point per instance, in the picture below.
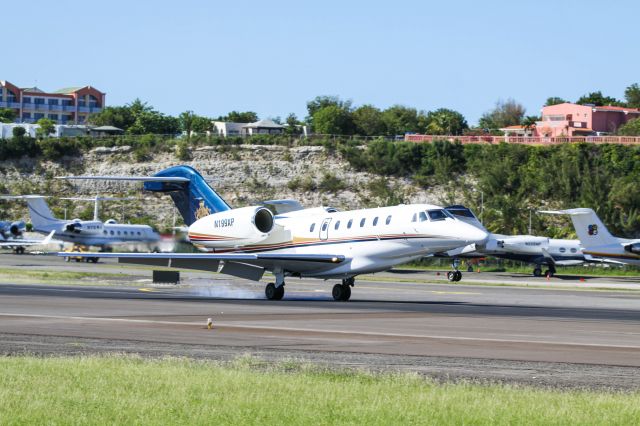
{"points": [[363, 222]]}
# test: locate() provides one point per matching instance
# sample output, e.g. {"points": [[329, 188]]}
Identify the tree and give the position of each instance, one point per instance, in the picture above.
{"points": [[333, 120], [201, 124], [554, 100], [19, 132], [632, 95], [240, 117], [46, 128], [324, 101], [121, 117], [506, 113], [630, 128], [399, 120], [186, 123], [292, 124], [529, 122], [445, 121], [7, 115], [598, 99], [368, 121]]}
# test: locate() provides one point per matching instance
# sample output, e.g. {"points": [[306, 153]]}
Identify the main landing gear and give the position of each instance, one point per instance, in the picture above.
{"points": [[274, 293], [18, 250], [455, 275], [537, 272], [342, 292]]}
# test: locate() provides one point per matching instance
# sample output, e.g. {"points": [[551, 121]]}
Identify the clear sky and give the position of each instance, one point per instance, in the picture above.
{"points": [[273, 56]]}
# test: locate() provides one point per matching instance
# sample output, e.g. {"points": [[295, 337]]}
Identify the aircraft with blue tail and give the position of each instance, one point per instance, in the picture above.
{"points": [[290, 241]]}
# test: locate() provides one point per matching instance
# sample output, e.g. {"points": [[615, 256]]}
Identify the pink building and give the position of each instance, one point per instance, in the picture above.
{"points": [[582, 120]]}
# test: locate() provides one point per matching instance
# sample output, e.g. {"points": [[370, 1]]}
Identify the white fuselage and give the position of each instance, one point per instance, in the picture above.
{"points": [[97, 233], [371, 240]]}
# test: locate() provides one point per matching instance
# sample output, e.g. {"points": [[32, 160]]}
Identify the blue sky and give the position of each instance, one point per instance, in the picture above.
{"points": [[273, 56]]}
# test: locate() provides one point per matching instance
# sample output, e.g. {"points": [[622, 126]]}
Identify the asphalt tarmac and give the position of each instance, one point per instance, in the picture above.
{"points": [[547, 335]]}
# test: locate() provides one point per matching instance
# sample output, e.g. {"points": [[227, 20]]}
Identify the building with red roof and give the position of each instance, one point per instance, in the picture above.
{"points": [[71, 105]]}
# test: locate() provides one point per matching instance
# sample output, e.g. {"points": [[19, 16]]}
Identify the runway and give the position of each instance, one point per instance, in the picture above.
{"points": [[542, 335]]}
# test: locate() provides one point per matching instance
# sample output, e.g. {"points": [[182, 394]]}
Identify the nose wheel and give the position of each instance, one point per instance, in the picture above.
{"points": [[454, 276]]}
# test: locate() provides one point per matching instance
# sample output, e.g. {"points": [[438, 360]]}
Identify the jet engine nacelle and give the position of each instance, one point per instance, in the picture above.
{"points": [[77, 226], [17, 228], [233, 228]]}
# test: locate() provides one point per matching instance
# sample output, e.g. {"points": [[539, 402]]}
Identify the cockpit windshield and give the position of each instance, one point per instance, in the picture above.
{"points": [[437, 214]]}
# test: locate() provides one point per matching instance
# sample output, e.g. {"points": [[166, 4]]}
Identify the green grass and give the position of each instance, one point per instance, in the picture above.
{"points": [[23, 275], [127, 390]]}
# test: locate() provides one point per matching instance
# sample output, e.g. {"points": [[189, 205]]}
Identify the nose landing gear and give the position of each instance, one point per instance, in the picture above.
{"points": [[455, 275]]}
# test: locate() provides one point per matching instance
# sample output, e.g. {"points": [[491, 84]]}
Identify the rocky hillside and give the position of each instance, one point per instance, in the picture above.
{"points": [[243, 175]]}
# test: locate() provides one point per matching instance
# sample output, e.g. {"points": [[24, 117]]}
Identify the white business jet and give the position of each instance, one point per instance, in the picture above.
{"points": [[85, 232], [596, 240], [318, 242]]}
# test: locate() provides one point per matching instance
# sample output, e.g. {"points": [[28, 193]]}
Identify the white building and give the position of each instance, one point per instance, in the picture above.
{"points": [[262, 127]]}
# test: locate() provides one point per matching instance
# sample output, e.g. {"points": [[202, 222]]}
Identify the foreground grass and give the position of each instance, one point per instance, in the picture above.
{"points": [[24, 275], [126, 390]]}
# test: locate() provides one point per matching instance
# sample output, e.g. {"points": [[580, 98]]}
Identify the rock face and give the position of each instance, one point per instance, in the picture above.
{"points": [[242, 175]]}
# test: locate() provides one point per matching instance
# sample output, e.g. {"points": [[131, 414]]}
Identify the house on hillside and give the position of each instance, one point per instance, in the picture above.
{"points": [[569, 119], [262, 127]]}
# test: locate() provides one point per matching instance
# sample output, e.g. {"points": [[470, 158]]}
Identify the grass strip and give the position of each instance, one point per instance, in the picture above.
{"points": [[131, 390]]}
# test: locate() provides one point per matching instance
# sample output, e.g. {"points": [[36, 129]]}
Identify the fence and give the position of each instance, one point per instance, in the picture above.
{"points": [[526, 140]]}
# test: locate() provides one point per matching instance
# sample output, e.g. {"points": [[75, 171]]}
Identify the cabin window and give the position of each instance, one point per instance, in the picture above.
{"points": [[139, 233], [349, 223], [423, 217], [118, 232], [414, 218], [337, 225], [375, 221], [562, 249], [362, 222], [437, 214], [104, 232], [324, 226], [126, 233], [313, 226], [388, 221], [573, 250], [111, 232]]}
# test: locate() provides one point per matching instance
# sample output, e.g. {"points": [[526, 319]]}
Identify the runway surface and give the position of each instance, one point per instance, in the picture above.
{"points": [[549, 336]]}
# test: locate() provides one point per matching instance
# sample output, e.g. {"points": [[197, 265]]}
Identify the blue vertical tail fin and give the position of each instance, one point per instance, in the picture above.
{"points": [[193, 198]]}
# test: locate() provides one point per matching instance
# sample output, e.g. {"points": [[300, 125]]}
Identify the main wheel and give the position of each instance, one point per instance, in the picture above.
{"points": [[94, 259], [457, 275], [469, 268], [451, 276], [341, 292], [548, 273], [537, 272], [279, 293], [270, 291]]}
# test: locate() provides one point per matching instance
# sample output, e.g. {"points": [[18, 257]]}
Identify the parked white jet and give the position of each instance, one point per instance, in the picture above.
{"points": [[317, 242], [85, 232], [526, 248], [596, 240], [12, 237]]}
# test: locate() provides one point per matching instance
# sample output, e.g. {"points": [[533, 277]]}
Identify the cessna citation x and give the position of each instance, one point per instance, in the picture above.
{"points": [[317, 242], [596, 240], [526, 248], [85, 232]]}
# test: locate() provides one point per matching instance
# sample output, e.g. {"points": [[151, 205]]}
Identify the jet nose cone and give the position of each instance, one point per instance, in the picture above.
{"points": [[473, 235]]}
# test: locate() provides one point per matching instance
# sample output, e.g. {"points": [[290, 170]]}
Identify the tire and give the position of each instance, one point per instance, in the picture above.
{"points": [[451, 276], [470, 268], [94, 259], [270, 291], [279, 293], [537, 272], [457, 276], [338, 292], [347, 293]]}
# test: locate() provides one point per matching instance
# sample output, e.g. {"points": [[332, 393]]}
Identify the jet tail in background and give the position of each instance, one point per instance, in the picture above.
{"points": [[590, 229], [41, 215]]}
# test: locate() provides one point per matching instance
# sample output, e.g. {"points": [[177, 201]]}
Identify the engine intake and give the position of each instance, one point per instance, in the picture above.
{"points": [[247, 225]]}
